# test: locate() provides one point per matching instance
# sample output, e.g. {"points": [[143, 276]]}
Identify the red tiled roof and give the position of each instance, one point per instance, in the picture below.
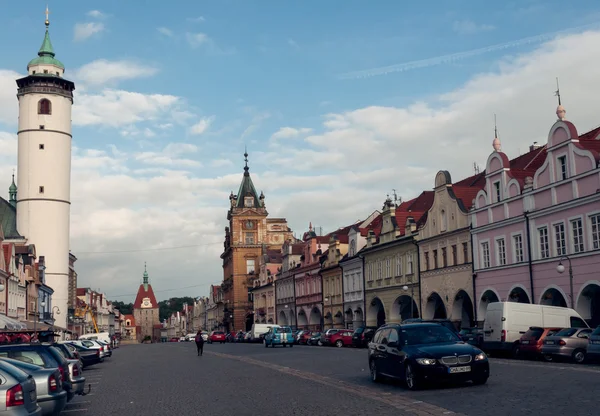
{"points": [[591, 141], [375, 225], [143, 293], [131, 319], [80, 291], [475, 180]]}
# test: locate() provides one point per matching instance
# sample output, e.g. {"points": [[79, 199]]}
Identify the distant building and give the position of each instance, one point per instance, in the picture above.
{"points": [[145, 310]]}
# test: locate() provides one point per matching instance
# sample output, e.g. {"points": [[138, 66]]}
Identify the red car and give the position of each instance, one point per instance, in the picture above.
{"points": [[531, 341], [342, 338], [216, 336]]}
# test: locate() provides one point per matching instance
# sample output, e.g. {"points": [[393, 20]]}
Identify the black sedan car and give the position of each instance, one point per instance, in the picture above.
{"points": [[425, 352]]}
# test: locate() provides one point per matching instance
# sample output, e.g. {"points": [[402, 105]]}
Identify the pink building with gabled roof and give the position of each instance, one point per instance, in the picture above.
{"points": [[535, 212]]}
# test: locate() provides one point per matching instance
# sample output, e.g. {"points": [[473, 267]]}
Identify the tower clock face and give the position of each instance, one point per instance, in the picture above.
{"points": [[249, 225], [146, 303]]}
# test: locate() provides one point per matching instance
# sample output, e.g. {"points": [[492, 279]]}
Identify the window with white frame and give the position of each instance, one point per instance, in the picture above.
{"points": [[543, 240], [398, 265], [562, 167], [501, 251], [595, 223], [250, 266], [559, 238], [518, 248], [409, 264], [577, 233], [379, 269], [497, 191], [388, 267], [485, 254]]}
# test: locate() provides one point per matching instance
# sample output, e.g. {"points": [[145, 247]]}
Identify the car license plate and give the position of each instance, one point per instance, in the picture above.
{"points": [[464, 369], [525, 342], [549, 342]]}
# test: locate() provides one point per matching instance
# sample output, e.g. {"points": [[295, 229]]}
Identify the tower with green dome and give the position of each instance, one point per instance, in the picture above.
{"points": [[43, 201]]}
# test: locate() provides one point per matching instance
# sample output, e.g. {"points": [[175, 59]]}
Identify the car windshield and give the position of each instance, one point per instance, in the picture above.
{"points": [[567, 332], [359, 330], [596, 331], [434, 334]]}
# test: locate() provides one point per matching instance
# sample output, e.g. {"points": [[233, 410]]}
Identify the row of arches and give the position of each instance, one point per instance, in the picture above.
{"points": [[587, 302]]}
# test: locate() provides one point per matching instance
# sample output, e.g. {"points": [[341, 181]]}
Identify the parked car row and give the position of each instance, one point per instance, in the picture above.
{"points": [[41, 378]]}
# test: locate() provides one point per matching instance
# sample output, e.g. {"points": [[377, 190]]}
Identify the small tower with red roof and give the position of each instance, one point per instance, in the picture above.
{"points": [[145, 309]]}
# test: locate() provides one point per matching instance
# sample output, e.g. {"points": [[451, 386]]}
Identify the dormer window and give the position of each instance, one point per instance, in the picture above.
{"points": [[562, 166], [497, 191], [249, 202], [352, 247]]}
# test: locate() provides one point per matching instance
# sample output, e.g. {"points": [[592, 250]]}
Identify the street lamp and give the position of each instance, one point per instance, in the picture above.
{"points": [[561, 269], [412, 298]]}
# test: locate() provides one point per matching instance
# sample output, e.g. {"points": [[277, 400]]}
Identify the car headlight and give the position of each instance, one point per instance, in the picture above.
{"points": [[426, 361], [480, 357]]}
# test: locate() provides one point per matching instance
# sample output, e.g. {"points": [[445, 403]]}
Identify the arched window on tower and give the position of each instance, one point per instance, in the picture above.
{"points": [[44, 106]]}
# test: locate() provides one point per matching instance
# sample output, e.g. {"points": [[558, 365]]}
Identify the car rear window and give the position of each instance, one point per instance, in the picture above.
{"points": [[284, 330], [534, 333], [596, 331], [218, 333], [567, 332]]}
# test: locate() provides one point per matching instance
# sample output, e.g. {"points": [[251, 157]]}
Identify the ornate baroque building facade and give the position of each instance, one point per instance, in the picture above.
{"points": [[249, 229]]}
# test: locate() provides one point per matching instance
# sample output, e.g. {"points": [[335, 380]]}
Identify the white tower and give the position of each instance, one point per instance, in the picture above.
{"points": [[44, 168]]}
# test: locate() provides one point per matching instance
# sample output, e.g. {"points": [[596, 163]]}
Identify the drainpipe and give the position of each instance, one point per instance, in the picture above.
{"points": [[294, 309], [364, 292], [473, 276], [526, 213], [419, 277]]}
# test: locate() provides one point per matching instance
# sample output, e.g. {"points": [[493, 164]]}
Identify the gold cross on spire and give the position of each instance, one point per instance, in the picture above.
{"points": [[47, 19]]}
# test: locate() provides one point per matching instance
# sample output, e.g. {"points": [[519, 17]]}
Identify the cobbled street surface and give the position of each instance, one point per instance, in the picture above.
{"points": [[248, 379]]}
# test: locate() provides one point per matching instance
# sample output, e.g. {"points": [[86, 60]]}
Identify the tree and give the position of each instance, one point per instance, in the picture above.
{"points": [[124, 308], [172, 305]]}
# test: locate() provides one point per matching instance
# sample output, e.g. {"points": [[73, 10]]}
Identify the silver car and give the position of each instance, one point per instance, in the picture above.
{"points": [[19, 390], [567, 343], [50, 395]]}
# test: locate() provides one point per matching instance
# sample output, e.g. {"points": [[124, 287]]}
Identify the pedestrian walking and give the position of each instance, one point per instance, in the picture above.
{"points": [[199, 342]]}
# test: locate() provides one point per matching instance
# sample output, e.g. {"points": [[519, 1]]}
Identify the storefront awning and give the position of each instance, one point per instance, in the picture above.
{"points": [[11, 324]]}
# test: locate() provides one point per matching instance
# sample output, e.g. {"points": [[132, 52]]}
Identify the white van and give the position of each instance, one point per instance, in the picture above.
{"points": [[102, 336], [260, 329], [505, 322]]}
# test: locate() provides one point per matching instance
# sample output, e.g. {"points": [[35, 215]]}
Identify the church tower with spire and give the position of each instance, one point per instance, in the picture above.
{"points": [[145, 310], [248, 230], [43, 200]]}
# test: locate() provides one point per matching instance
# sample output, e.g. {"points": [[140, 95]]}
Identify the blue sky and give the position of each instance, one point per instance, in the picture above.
{"points": [[169, 95]]}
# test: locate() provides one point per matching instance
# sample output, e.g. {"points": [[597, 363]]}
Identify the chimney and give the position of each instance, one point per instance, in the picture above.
{"points": [[370, 238], [534, 146], [411, 226]]}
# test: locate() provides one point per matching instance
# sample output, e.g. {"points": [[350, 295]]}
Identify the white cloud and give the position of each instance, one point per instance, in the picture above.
{"points": [[221, 163], [165, 31], [468, 27], [289, 132], [201, 126], [116, 108], [96, 14], [8, 100], [84, 31], [102, 72], [196, 19], [197, 39]]}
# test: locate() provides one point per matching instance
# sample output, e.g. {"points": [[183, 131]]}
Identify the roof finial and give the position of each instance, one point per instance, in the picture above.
{"points": [[560, 110], [47, 18], [246, 168], [310, 226], [496, 142]]}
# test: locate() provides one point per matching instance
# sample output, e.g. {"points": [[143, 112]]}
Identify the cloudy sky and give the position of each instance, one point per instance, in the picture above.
{"points": [[339, 102]]}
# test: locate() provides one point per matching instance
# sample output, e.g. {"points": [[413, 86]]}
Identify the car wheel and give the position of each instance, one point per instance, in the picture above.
{"points": [[579, 356], [480, 380], [516, 351], [339, 343], [548, 357], [375, 377], [319, 343], [410, 378]]}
